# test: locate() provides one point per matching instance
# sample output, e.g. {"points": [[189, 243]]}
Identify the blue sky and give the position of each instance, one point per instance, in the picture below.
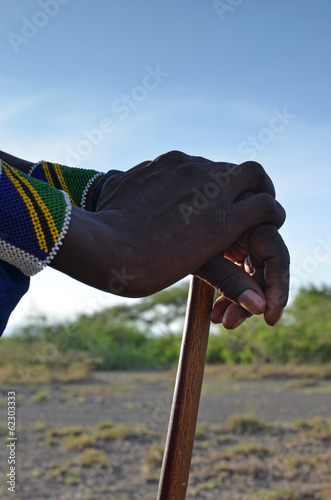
{"points": [[108, 84]]}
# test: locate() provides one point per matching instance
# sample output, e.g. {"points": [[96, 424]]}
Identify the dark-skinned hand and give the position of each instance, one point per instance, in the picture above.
{"points": [[178, 215]]}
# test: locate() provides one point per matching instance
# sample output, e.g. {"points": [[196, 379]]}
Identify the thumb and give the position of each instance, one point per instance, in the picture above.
{"points": [[234, 283]]}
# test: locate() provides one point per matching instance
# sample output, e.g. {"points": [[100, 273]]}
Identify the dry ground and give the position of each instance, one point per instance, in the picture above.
{"points": [[102, 439]]}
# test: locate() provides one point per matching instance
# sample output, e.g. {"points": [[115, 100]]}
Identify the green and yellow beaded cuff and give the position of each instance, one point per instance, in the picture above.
{"points": [[34, 219], [74, 181]]}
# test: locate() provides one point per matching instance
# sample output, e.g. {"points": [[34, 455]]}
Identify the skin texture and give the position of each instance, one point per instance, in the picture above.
{"points": [[178, 215]]}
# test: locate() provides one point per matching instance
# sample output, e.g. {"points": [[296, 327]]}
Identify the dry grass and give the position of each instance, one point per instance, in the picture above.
{"points": [[90, 457], [279, 493], [240, 457], [317, 427], [77, 438], [301, 382], [78, 443], [244, 424], [13, 373], [153, 460], [42, 396], [123, 431], [31, 367], [246, 448], [269, 370], [3, 429]]}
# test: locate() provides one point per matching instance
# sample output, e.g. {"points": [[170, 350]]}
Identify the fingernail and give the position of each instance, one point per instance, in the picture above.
{"points": [[238, 323], [252, 302]]}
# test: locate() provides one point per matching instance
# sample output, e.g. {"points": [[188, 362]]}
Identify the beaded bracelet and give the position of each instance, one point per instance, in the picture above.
{"points": [[74, 181], [34, 219]]}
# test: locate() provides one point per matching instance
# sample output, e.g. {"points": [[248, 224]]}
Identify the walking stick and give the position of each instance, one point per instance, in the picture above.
{"points": [[185, 405]]}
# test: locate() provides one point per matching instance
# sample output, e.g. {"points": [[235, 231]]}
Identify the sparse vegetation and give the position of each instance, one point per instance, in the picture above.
{"points": [[76, 438], [244, 424], [80, 442], [280, 493], [153, 459], [246, 449], [317, 427], [241, 456], [3, 429], [41, 396], [90, 457], [123, 337]]}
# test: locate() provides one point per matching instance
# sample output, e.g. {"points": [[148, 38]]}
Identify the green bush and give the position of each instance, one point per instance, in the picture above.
{"points": [[148, 334]]}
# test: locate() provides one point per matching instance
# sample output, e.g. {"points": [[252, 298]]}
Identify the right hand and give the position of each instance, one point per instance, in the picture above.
{"points": [[165, 219]]}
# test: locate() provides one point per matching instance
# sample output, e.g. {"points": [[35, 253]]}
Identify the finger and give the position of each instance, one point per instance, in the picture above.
{"points": [[254, 211], [248, 176], [264, 183], [230, 314], [267, 245], [219, 309], [234, 316], [233, 283]]}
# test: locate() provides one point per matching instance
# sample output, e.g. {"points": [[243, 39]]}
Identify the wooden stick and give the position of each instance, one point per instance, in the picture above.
{"points": [[185, 405]]}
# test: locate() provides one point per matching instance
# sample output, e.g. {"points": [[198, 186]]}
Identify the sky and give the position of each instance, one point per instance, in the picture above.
{"points": [[108, 84]]}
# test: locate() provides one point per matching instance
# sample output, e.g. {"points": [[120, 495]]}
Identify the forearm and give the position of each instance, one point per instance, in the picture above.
{"points": [[36, 220], [151, 230], [89, 251], [22, 165]]}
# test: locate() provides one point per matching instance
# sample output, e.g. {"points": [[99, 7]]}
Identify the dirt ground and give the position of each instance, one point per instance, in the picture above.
{"points": [[103, 439]]}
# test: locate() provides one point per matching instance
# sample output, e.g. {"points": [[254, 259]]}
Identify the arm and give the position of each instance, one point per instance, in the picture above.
{"points": [[22, 165], [180, 215], [175, 216]]}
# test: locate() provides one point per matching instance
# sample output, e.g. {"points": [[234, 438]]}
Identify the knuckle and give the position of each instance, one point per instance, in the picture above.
{"points": [[174, 157], [255, 168], [274, 212], [262, 179], [228, 280], [268, 203], [230, 284]]}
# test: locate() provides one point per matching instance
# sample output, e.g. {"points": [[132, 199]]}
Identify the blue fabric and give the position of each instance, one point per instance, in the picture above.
{"points": [[13, 285]]}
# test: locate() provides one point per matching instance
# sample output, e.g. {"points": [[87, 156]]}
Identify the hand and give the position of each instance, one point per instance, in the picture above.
{"points": [[179, 215], [257, 283], [168, 217]]}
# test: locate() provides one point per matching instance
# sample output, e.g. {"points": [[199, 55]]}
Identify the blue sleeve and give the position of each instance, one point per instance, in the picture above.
{"points": [[13, 285]]}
